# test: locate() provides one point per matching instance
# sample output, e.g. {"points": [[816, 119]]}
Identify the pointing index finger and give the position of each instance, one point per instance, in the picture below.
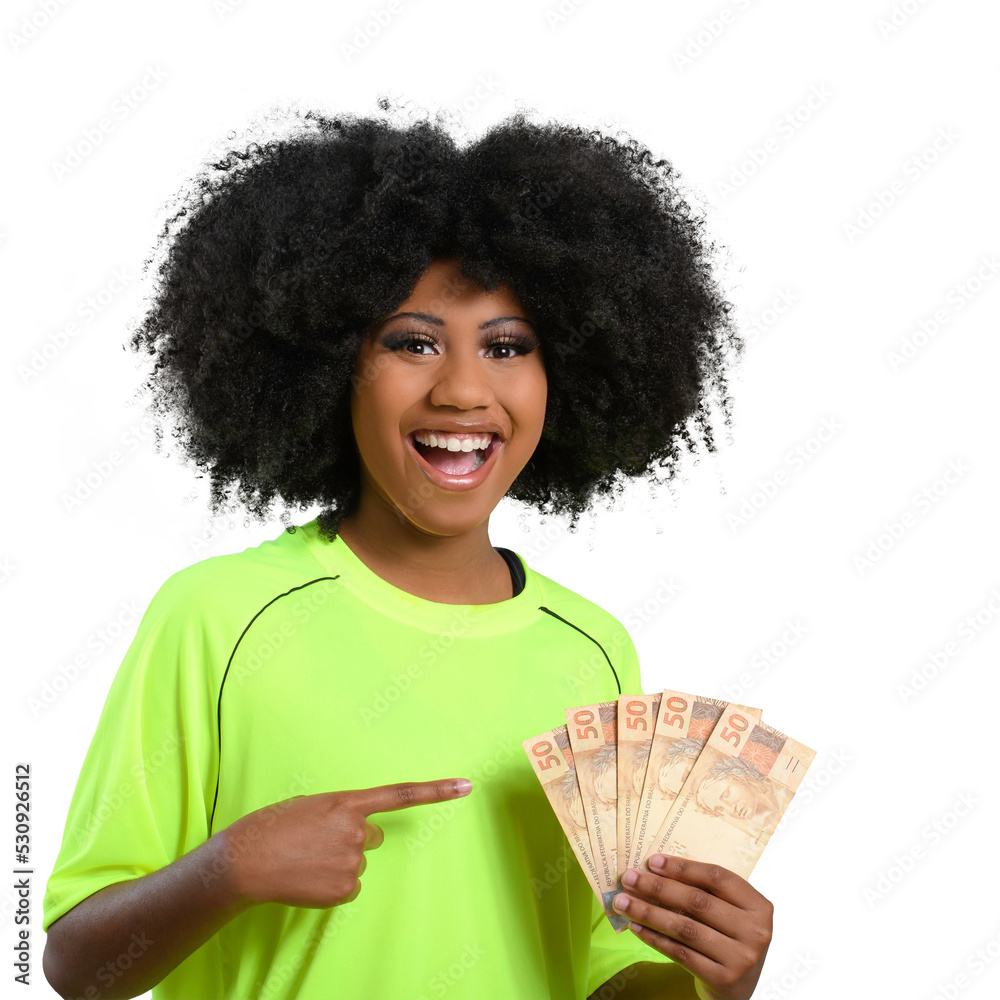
{"points": [[383, 798]]}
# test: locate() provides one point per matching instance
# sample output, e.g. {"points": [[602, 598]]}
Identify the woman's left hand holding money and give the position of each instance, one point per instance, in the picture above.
{"points": [[706, 918]]}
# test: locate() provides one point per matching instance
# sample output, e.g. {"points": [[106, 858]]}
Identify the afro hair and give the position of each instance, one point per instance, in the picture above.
{"points": [[281, 257]]}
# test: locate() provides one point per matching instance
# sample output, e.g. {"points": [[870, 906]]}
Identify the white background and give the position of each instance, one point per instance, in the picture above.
{"points": [[785, 534]]}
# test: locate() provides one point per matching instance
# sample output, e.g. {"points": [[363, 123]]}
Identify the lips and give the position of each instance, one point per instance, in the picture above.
{"points": [[458, 483]]}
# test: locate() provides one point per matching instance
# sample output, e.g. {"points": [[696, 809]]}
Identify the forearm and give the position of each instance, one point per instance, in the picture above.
{"points": [[654, 981], [125, 938]]}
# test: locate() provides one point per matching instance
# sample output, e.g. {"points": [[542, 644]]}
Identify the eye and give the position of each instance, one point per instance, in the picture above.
{"points": [[514, 342], [403, 339]]}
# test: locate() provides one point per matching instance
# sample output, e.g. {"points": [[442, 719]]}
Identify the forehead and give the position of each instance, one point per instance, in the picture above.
{"points": [[444, 292]]}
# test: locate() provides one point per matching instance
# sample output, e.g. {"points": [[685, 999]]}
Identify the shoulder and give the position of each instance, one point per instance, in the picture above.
{"points": [[585, 614], [227, 590]]}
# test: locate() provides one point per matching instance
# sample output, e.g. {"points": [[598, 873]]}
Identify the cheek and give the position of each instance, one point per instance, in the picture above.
{"points": [[529, 403], [371, 436]]}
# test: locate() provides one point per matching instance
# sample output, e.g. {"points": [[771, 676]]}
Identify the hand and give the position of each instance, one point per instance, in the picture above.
{"points": [[309, 850], [705, 917]]}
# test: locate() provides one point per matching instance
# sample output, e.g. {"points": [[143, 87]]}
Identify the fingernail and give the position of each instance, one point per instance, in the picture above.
{"points": [[620, 902], [633, 926], [657, 861], [463, 786], [629, 877]]}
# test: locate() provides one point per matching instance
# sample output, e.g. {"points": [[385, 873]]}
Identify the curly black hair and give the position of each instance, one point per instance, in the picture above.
{"points": [[283, 256]]}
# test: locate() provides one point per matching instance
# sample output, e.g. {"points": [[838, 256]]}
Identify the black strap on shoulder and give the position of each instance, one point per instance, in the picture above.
{"points": [[515, 567]]}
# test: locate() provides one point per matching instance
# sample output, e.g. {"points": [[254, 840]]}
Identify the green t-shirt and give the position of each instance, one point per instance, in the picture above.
{"points": [[322, 676]]}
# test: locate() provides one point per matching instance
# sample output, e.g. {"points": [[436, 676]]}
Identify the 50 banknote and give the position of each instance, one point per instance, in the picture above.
{"points": [[666, 773]]}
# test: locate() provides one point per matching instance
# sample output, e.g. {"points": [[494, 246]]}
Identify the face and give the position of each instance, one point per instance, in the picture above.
{"points": [[673, 774], [606, 785], [454, 359], [727, 796], [639, 775]]}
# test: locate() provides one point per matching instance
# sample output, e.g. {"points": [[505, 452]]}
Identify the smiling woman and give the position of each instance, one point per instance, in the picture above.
{"points": [[473, 390], [367, 318]]}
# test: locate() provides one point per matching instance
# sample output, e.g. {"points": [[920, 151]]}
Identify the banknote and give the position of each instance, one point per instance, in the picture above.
{"points": [[683, 724], [553, 763], [636, 719], [593, 735], [735, 794]]}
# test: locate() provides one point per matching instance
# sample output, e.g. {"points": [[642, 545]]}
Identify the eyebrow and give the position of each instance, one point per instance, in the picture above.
{"points": [[437, 321]]}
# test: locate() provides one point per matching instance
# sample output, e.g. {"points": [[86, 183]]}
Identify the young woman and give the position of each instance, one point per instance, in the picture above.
{"points": [[369, 318]]}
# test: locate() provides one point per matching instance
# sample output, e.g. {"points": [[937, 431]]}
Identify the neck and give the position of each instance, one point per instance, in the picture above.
{"points": [[461, 568]]}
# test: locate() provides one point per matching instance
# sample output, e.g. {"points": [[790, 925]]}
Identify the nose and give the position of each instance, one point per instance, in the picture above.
{"points": [[462, 380]]}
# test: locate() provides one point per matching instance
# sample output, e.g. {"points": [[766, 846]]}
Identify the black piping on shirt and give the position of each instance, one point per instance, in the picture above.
{"points": [[592, 639], [218, 715], [517, 575]]}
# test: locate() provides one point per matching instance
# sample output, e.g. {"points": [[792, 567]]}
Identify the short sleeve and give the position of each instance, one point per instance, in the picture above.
{"points": [[610, 953], [144, 793]]}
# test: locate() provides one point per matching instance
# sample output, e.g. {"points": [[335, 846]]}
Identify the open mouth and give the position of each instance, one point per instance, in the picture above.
{"points": [[455, 464]]}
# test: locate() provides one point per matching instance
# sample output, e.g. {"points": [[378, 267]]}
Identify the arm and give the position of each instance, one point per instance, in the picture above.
{"points": [[125, 938], [303, 851]]}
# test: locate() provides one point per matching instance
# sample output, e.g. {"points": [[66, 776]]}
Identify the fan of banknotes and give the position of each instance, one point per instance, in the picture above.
{"points": [[668, 773]]}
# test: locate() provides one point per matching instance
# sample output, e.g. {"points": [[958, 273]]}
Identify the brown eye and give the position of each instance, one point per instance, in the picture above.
{"points": [[402, 339]]}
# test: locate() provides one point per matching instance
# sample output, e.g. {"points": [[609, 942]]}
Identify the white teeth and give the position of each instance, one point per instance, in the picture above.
{"points": [[454, 443]]}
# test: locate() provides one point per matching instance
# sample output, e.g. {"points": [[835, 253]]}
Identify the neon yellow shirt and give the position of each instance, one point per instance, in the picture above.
{"points": [[322, 676]]}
